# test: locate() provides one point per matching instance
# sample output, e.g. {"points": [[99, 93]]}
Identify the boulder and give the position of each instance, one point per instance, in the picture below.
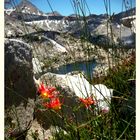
{"points": [[37, 132], [19, 86]]}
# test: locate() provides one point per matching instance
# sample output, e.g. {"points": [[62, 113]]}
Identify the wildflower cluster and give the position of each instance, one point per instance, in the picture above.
{"points": [[88, 101], [51, 94], [52, 101]]}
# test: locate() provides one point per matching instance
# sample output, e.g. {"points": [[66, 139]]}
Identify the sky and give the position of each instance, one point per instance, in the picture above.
{"points": [[64, 7]]}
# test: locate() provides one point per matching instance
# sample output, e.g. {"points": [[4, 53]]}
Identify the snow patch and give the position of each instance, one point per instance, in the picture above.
{"points": [[58, 46], [129, 17], [82, 88], [9, 33], [118, 26], [38, 13], [9, 11]]}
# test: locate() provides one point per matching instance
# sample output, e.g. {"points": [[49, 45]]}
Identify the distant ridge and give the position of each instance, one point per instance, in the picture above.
{"points": [[54, 13]]}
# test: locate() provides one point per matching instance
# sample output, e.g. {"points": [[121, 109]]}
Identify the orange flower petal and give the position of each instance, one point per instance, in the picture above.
{"points": [[54, 104], [47, 92], [87, 101]]}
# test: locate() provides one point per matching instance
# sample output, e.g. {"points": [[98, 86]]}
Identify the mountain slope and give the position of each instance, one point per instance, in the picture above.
{"points": [[95, 26], [27, 7]]}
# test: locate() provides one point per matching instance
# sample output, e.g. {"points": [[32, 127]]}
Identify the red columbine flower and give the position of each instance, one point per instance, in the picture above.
{"points": [[53, 104], [52, 94], [87, 101], [47, 92]]}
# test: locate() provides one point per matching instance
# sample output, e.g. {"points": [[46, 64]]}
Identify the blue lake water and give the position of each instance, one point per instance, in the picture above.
{"points": [[86, 67]]}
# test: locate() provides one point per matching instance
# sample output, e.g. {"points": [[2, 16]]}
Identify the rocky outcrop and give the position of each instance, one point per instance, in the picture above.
{"points": [[110, 58], [19, 87], [36, 131], [15, 28], [37, 66]]}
